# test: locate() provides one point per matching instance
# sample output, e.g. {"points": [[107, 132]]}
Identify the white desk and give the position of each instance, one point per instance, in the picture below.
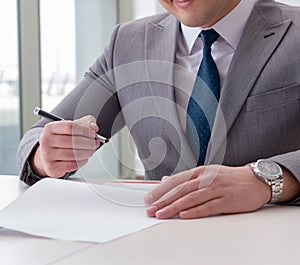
{"points": [[269, 236]]}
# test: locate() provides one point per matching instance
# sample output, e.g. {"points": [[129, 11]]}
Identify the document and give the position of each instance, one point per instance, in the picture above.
{"points": [[76, 211]]}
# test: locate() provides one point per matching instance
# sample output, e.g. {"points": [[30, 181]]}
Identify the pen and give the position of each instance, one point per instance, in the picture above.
{"points": [[39, 112]]}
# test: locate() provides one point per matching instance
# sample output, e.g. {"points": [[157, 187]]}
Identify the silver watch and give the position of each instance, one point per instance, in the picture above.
{"points": [[271, 173]]}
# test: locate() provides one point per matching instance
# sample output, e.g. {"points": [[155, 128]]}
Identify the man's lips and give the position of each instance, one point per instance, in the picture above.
{"points": [[183, 3]]}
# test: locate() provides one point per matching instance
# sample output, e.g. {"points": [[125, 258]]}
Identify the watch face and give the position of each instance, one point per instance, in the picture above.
{"points": [[269, 169]]}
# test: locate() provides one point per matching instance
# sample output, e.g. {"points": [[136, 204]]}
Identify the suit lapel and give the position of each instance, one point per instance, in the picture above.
{"points": [[263, 33], [160, 39], [160, 54]]}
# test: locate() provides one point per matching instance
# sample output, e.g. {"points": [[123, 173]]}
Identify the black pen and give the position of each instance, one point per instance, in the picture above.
{"points": [[52, 117]]}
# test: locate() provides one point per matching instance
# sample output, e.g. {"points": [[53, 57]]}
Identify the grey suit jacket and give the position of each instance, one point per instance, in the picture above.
{"points": [[132, 84]]}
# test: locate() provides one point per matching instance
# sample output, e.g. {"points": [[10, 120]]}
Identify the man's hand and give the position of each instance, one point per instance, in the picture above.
{"points": [[207, 191], [65, 146]]}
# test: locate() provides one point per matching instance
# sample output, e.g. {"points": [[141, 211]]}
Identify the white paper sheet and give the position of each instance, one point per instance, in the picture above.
{"points": [[74, 211]]}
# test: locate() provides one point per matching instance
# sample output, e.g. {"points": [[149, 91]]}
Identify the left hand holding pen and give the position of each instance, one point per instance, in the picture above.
{"points": [[208, 191]]}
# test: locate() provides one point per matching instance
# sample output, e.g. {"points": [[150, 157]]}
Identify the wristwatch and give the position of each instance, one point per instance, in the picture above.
{"points": [[271, 173]]}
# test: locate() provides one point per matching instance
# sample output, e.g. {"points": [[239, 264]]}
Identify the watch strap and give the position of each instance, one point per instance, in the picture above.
{"points": [[277, 186]]}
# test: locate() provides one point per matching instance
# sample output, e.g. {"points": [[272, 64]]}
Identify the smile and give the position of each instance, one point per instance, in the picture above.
{"points": [[183, 3]]}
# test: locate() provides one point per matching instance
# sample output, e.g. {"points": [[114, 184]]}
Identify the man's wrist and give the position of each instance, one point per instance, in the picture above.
{"points": [[264, 188], [34, 162]]}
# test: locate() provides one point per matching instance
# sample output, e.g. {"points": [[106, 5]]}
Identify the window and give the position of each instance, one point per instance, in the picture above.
{"points": [[9, 87], [73, 35], [291, 2], [58, 45]]}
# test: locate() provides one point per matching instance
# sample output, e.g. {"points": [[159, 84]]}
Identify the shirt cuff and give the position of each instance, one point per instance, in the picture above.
{"points": [[30, 178]]}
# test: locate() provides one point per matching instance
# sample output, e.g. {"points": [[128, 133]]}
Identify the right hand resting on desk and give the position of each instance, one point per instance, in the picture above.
{"points": [[65, 146]]}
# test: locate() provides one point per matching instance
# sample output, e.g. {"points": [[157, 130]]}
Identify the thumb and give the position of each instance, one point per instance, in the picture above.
{"points": [[88, 121]]}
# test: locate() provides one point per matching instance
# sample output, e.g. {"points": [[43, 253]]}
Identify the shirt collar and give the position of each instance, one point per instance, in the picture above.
{"points": [[227, 27]]}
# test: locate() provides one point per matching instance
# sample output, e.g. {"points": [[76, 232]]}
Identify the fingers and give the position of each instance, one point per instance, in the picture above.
{"points": [[210, 208], [164, 178], [68, 142], [183, 201], [88, 121], [66, 146], [85, 127], [63, 154], [178, 193], [78, 134], [175, 194], [171, 182]]}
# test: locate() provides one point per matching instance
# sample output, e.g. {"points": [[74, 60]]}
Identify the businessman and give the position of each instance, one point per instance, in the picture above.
{"points": [[210, 92]]}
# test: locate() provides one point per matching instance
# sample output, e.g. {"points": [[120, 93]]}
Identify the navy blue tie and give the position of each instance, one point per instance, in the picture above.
{"points": [[204, 99]]}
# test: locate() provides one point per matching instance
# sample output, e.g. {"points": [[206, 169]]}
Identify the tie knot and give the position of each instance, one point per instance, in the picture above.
{"points": [[209, 37]]}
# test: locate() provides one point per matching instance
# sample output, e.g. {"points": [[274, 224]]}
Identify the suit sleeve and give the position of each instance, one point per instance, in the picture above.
{"points": [[291, 162], [94, 95]]}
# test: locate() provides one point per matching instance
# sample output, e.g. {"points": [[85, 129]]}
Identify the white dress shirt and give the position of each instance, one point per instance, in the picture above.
{"points": [[189, 50]]}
